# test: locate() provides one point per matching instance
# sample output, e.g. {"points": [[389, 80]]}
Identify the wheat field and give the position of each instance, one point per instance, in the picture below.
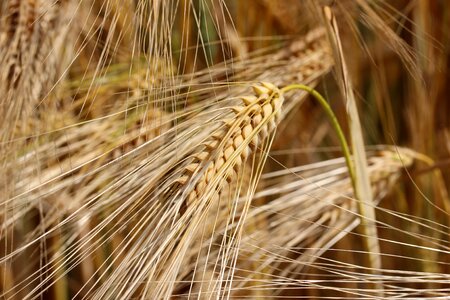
{"points": [[224, 149]]}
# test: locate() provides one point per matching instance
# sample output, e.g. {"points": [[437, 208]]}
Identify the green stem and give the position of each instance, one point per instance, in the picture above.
{"points": [[334, 122]]}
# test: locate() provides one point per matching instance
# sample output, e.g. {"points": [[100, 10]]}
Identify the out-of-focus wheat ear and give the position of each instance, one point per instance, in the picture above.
{"points": [[33, 45], [296, 214], [107, 33], [87, 153], [363, 190], [75, 165]]}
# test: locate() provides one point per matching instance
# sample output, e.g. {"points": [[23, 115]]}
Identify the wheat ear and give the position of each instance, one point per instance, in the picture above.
{"points": [[228, 149], [198, 185]]}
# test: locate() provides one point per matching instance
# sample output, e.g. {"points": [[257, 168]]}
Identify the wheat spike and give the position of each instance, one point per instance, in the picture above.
{"points": [[227, 153], [230, 148], [199, 184], [33, 35]]}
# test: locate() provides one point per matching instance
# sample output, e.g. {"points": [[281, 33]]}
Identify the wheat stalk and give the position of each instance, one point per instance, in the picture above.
{"points": [[363, 190]]}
